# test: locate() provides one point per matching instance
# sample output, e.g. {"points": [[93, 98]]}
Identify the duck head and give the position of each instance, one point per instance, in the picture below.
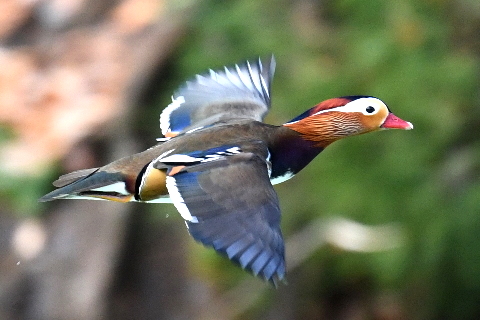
{"points": [[338, 118]]}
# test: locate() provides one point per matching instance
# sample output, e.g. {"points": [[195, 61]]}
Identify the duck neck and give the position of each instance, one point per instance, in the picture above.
{"points": [[290, 153]]}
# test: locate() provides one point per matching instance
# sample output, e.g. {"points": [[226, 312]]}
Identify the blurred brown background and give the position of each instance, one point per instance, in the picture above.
{"points": [[383, 226]]}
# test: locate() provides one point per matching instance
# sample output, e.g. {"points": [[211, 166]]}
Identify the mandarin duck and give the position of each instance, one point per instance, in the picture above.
{"points": [[218, 161]]}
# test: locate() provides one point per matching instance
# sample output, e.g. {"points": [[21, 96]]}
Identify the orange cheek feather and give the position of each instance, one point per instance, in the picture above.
{"points": [[373, 122], [328, 127]]}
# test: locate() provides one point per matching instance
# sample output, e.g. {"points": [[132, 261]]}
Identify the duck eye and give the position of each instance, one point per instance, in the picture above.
{"points": [[370, 109]]}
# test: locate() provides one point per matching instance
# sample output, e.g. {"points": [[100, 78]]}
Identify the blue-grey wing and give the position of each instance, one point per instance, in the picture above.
{"points": [[229, 204]]}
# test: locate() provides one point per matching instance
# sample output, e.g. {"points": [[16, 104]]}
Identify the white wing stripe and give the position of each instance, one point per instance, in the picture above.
{"points": [[184, 158], [178, 201], [180, 158], [159, 158], [165, 115], [265, 88], [234, 79], [245, 80], [257, 86], [118, 187], [233, 150], [145, 175]]}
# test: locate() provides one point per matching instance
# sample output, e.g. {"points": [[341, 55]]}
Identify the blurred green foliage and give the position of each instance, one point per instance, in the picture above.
{"points": [[19, 193], [421, 58]]}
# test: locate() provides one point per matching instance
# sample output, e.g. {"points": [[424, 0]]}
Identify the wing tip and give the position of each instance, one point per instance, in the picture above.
{"points": [[269, 269], [277, 279], [251, 80], [262, 81]]}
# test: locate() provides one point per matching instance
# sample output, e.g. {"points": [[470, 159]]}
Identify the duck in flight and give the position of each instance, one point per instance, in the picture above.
{"points": [[218, 161]]}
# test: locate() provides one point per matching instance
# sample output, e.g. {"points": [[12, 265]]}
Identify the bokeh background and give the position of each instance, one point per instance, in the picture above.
{"points": [[382, 226]]}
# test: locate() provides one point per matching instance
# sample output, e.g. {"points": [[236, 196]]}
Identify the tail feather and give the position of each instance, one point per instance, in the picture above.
{"points": [[72, 177], [90, 184]]}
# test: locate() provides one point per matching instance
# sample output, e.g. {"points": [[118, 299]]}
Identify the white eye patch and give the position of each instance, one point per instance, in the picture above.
{"points": [[367, 106]]}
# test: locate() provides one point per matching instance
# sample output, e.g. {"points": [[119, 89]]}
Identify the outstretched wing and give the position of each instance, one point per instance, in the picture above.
{"points": [[241, 91], [229, 204]]}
